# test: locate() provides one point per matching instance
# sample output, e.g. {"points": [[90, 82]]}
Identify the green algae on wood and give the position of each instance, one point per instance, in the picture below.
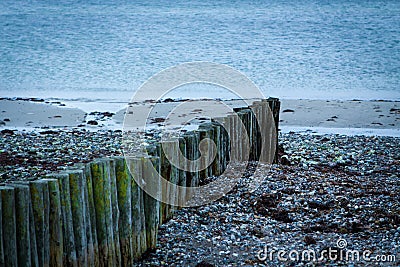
{"points": [[9, 230], [22, 200], [40, 206], [32, 232], [55, 223], [124, 189], [115, 212], [93, 247], [151, 205], [69, 251], [100, 171], [139, 244], [1, 234], [77, 197]]}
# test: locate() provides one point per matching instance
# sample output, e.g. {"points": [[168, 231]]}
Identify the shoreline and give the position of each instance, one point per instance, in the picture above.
{"points": [[348, 117]]}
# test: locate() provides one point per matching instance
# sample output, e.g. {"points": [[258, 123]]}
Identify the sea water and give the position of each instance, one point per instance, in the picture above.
{"points": [[104, 50]]}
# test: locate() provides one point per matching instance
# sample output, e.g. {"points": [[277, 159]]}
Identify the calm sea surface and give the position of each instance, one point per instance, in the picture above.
{"points": [[291, 49]]}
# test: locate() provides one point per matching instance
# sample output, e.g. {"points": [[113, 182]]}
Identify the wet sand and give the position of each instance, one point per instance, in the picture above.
{"points": [[333, 116]]}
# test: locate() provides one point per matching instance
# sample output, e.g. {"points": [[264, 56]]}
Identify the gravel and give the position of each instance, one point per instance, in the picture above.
{"points": [[332, 188], [31, 155]]}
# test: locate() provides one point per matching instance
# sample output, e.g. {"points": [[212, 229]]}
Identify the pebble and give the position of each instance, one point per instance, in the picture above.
{"points": [[326, 190]]}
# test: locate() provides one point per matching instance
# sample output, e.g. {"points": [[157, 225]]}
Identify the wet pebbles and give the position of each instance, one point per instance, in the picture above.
{"points": [[330, 187], [31, 155]]}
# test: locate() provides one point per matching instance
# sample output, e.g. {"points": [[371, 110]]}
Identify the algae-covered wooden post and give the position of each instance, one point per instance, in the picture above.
{"points": [[196, 154], [55, 223], [181, 172], [139, 245], [275, 105], [100, 170], [151, 205], [232, 121], [34, 261], [169, 173], [1, 233], [267, 122], [9, 230], [69, 251], [257, 110], [93, 257], [191, 178], [217, 140], [22, 200], [76, 184], [115, 212], [124, 187], [205, 131], [40, 205], [155, 150]]}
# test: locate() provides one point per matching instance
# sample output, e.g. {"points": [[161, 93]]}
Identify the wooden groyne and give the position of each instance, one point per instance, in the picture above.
{"points": [[98, 214]]}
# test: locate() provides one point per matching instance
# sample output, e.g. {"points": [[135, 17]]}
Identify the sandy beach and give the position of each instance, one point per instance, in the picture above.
{"points": [[324, 116]]}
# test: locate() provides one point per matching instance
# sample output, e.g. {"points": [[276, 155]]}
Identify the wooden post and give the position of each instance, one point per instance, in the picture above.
{"points": [[55, 223], [32, 231], [100, 170], [205, 130], [182, 173], [216, 166], [77, 195], [1, 231], [93, 256], [69, 251], [124, 187], [169, 172], [151, 205], [155, 150], [191, 155], [115, 212], [257, 110], [40, 206], [139, 244], [22, 200], [9, 230], [233, 137], [275, 105]]}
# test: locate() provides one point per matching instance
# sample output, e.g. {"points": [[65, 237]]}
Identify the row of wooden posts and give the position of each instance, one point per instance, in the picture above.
{"points": [[96, 214]]}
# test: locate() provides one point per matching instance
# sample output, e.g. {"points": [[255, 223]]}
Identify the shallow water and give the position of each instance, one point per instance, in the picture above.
{"points": [[83, 49]]}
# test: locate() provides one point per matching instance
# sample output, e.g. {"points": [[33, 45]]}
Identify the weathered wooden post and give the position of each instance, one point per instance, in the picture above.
{"points": [[32, 231], [77, 195], [1, 232], [257, 110], [275, 105], [181, 172], [125, 224], [22, 201], [55, 223], [100, 170], [93, 256], [9, 230], [151, 205], [69, 251], [115, 212], [139, 244], [40, 206]]}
